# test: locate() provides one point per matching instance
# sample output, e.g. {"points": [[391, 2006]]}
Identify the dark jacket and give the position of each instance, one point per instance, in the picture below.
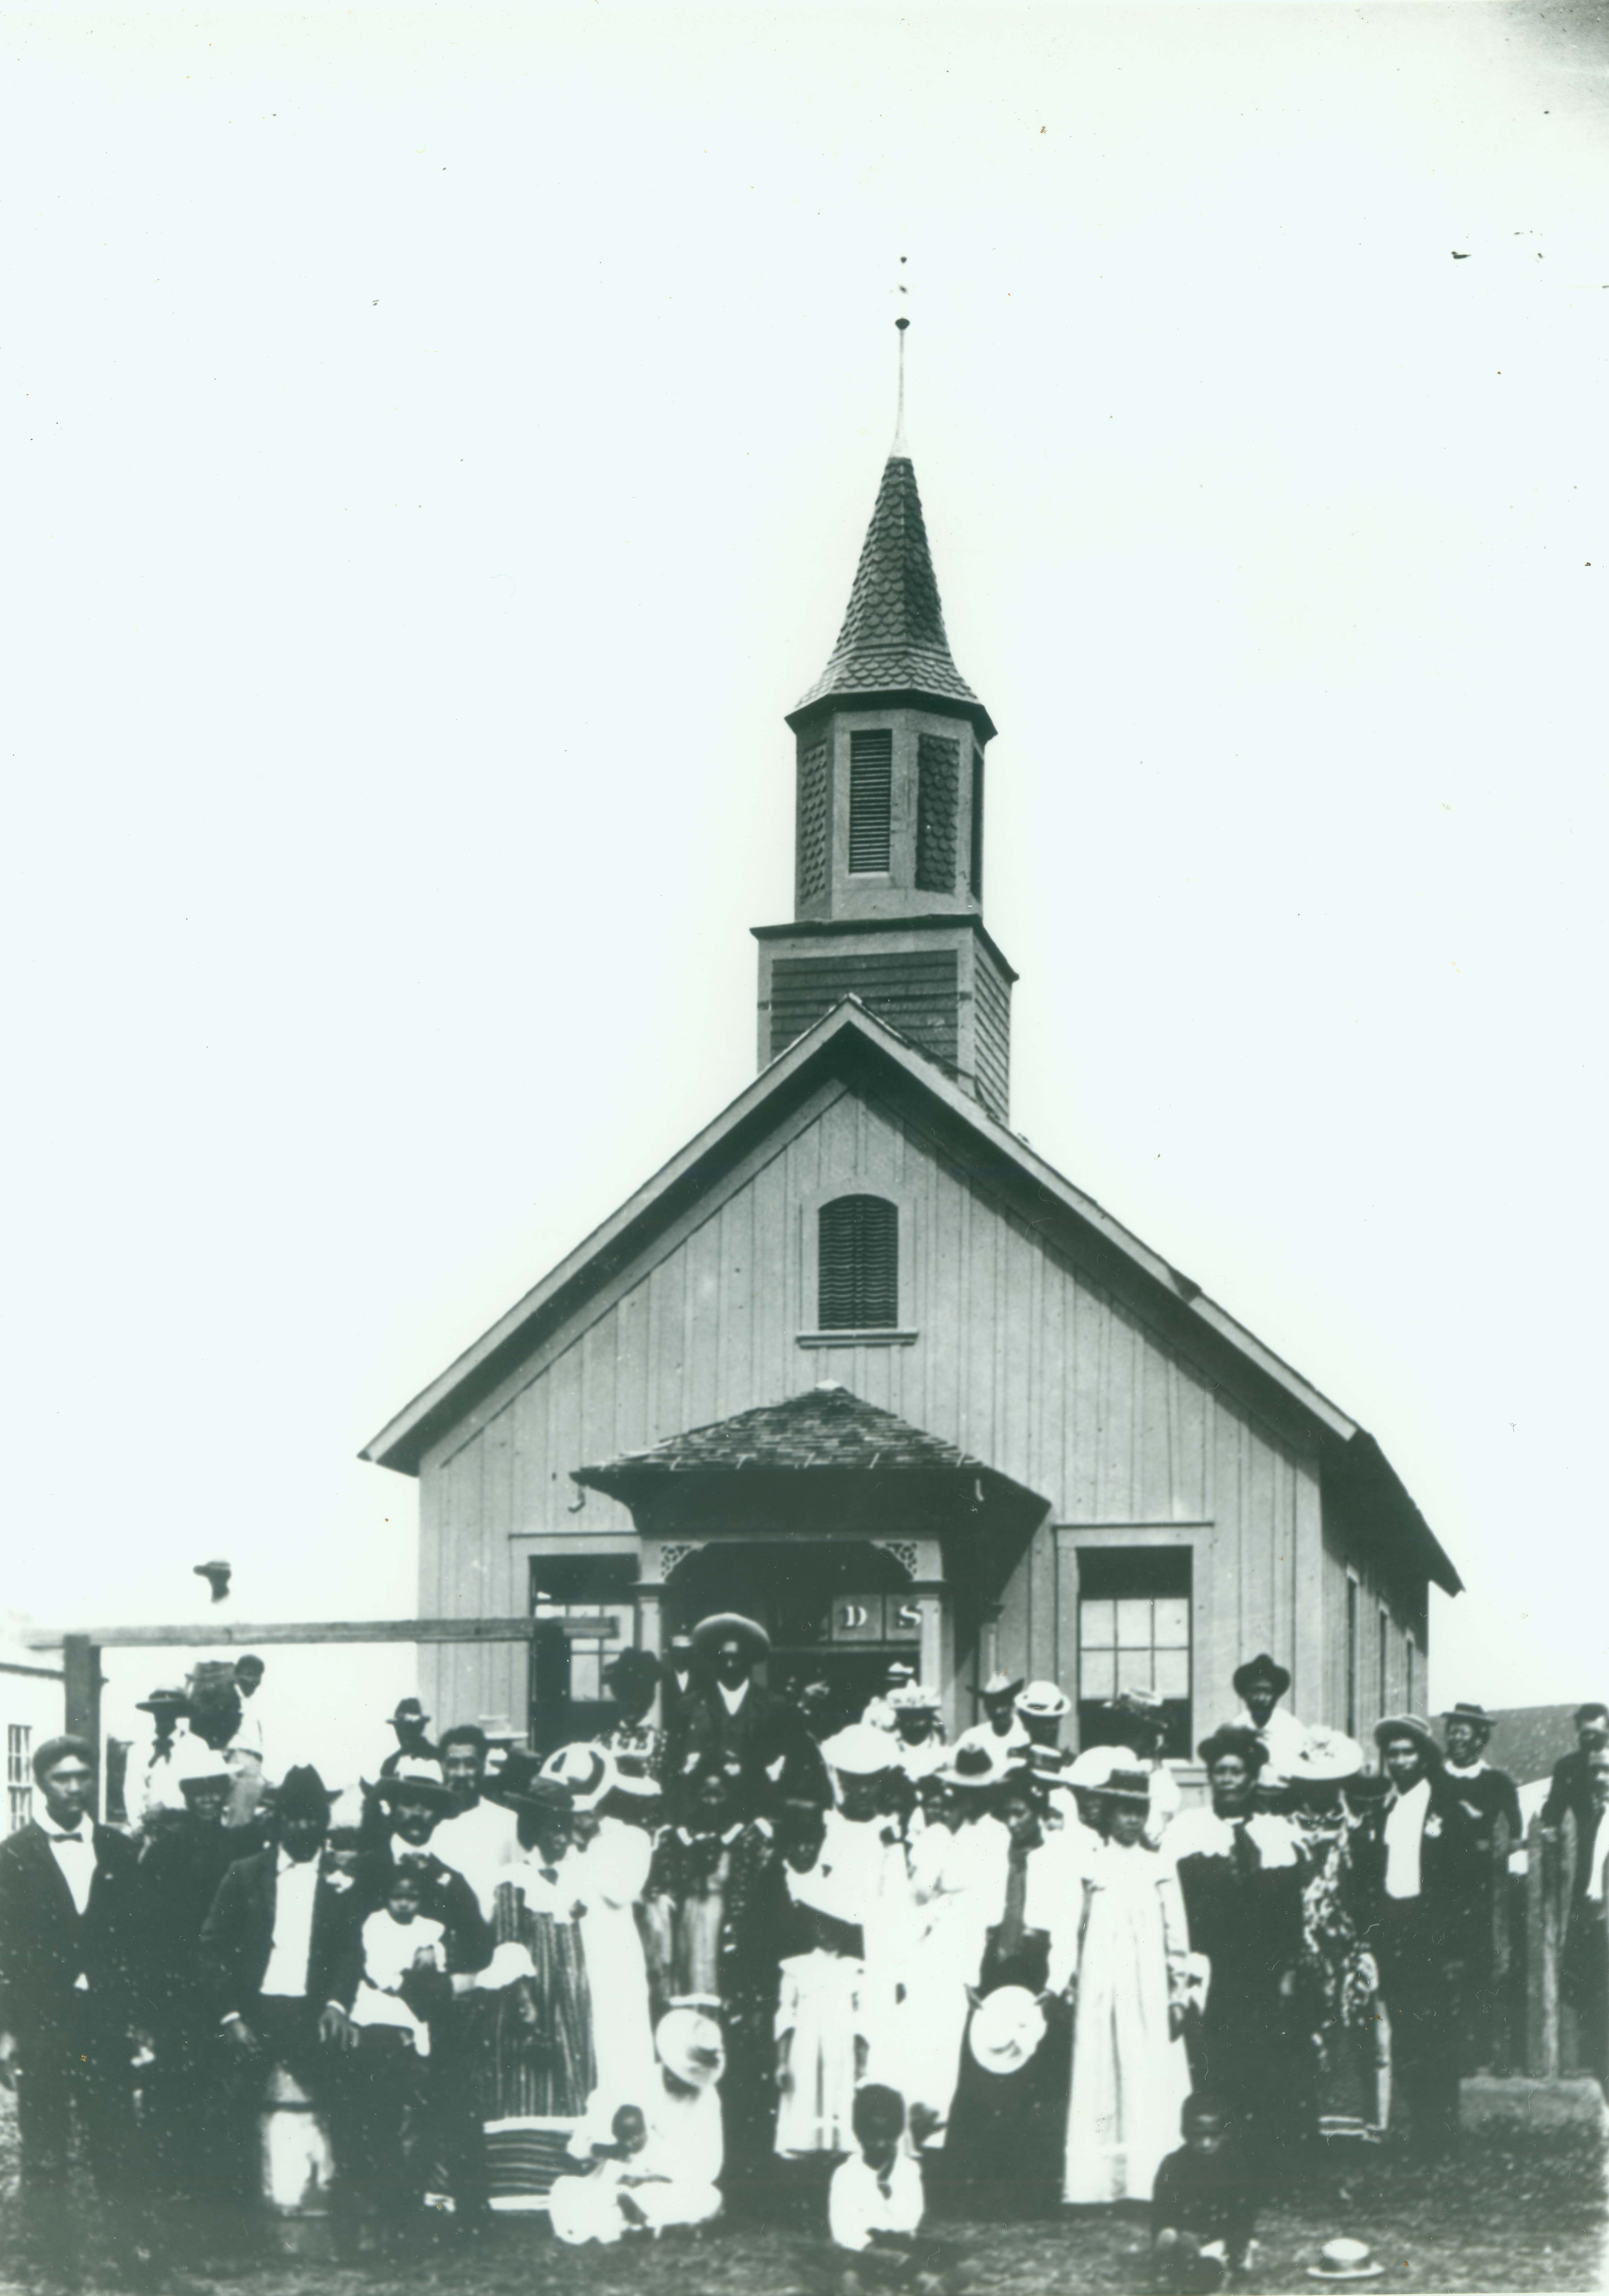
{"points": [[178, 1879], [1452, 1866], [47, 1944], [1212, 2196], [1571, 1789], [237, 1938], [445, 1897], [767, 1737], [1490, 1795]]}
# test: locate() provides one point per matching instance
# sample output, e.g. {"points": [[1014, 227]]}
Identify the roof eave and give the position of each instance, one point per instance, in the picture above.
{"points": [[892, 697]]}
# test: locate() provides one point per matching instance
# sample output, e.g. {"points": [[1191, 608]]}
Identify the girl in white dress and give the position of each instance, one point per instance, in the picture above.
{"points": [[1130, 2073], [606, 1871]]}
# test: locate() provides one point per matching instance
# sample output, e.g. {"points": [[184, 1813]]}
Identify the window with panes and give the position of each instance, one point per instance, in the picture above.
{"points": [[1134, 1634]]}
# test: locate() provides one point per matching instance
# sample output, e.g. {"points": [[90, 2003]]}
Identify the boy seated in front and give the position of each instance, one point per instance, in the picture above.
{"points": [[1203, 2204], [874, 2208]]}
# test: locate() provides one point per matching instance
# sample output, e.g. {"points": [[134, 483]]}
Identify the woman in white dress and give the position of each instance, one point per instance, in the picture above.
{"points": [[957, 1879], [606, 1868], [1129, 2071]]}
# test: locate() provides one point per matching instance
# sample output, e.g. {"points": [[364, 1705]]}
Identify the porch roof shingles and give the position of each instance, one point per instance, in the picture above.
{"points": [[825, 1427]]}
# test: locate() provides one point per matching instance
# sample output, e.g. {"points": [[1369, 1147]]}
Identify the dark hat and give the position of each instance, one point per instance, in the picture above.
{"points": [[521, 1785], [639, 1667], [408, 1710], [164, 1701], [1466, 1711], [1263, 1667], [726, 1626], [1002, 1684], [302, 1794], [1231, 1739], [1409, 1725], [1128, 1785]]}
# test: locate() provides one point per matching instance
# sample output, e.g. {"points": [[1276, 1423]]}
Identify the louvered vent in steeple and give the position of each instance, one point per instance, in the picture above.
{"points": [[871, 800]]}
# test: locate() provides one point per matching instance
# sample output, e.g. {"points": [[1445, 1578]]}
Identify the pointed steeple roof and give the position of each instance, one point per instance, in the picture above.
{"points": [[892, 646]]}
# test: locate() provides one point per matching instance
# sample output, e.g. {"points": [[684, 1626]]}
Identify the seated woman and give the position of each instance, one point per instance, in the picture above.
{"points": [[662, 2162]]}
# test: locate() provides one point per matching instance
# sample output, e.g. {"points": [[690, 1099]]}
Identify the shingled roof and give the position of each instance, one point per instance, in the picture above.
{"points": [[825, 1427], [892, 644]]}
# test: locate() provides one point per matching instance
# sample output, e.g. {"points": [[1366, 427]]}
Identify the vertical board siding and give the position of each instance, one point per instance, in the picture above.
{"points": [[1020, 1357]]}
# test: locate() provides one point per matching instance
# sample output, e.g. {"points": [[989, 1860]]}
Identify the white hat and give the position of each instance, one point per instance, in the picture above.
{"points": [[1328, 1755], [585, 1772], [976, 1763], [1044, 1702], [689, 2045], [859, 1751], [1091, 1769], [914, 1698], [1007, 2027], [1001, 1685], [1345, 2259]]}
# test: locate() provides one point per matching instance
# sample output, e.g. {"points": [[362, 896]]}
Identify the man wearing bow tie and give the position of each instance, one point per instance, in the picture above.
{"points": [[69, 1930]]}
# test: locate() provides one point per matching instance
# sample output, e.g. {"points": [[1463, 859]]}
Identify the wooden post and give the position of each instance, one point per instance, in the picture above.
{"points": [[1500, 2043], [81, 1682]]}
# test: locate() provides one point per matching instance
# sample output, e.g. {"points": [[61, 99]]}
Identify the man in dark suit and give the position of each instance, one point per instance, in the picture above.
{"points": [[69, 1972], [281, 1955], [728, 1718], [1491, 1800], [1572, 1786], [1417, 1863]]}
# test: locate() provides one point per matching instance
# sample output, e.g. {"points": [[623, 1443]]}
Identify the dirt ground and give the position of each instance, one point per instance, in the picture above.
{"points": [[1515, 2210]]}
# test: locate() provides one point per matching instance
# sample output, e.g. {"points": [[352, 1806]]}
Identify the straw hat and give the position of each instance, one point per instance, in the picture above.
{"points": [[1413, 1726], [689, 2045], [859, 1751], [1345, 2259], [1044, 1701], [1128, 1785], [1328, 1755], [731, 1626], [1006, 2027], [914, 1698], [420, 1780], [975, 1765]]}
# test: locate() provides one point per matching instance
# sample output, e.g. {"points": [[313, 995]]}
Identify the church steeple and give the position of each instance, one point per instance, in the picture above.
{"points": [[889, 843]]}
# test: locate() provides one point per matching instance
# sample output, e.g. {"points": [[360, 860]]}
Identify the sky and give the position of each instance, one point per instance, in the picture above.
{"points": [[437, 447]]}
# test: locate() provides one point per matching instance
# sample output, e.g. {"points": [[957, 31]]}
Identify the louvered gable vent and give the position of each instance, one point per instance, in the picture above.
{"points": [[859, 1288], [871, 799]]}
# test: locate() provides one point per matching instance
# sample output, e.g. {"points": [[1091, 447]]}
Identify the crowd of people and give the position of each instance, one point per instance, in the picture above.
{"points": [[738, 1954]]}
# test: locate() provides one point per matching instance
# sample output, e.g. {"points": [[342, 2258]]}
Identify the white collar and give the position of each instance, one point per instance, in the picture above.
{"points": [[1465, 1770], [732, 1699]]}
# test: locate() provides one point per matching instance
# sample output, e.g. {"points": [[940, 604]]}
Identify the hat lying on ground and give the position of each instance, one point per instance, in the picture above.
{"points": [[1006, 2027], [689, 2045], [1044, 1701], [1345, 2259], [1263, 1667], [859, 1750]]}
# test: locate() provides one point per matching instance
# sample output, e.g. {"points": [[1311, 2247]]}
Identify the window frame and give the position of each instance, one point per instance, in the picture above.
{"points": [[811, 1333]]}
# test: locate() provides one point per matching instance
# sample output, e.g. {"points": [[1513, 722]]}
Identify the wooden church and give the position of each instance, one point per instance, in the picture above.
{"points": [[860, 1363]]}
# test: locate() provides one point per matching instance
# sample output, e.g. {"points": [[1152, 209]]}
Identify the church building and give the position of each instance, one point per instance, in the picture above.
{"points": [[859, 1363]]}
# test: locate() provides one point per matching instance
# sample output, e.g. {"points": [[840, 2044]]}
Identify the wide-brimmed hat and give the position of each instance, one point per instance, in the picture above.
{"points": [[1044, 1701], [1345, 2259], [1413, 1726], [408, 1710], [1001, 1685], [1007, 2026], [1328, 1755], [1263, 1667], [585, 1772], [1465, 1710], [1234, 1739], [215, 1773], [416, 1778], [914, 1698], [859, 1751], [521, 1785], [725, 1626], [168, 1699], [974, 1766], [302, 1794], [689, 2045], [1128, 1785]]}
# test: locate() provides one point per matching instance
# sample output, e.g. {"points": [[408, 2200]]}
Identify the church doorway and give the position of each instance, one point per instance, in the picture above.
{"points": [[837, 1611]]}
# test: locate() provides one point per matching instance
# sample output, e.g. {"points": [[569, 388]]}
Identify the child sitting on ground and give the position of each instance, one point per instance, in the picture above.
{"points": [[1203, 2204], [602, 2202], [397, 1941], [876, 2203]]}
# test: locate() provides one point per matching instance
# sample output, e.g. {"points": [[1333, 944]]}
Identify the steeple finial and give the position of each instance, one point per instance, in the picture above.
{"points": [[900, 450]]}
